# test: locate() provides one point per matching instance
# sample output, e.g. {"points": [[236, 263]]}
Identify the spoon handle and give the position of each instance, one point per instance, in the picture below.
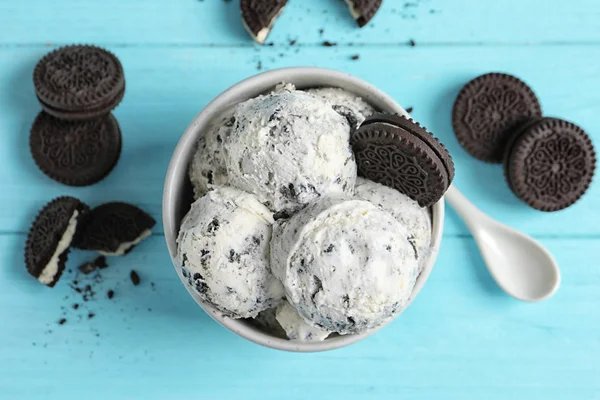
{"points": [[464, 208]]}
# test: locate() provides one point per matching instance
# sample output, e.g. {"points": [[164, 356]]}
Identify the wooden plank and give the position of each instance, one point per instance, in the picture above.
{"points": [[461, 339], [217, 22], [167, 87]]}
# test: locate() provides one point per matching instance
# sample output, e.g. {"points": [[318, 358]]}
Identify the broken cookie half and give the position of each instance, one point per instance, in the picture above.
{"points": [[259, 16], [363, 10], [113, 229], [50, 236]]}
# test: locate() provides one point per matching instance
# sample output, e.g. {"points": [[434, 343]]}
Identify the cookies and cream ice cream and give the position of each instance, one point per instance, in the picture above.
{"points": [[346, 265], [289, 148], [295, 327], [344, 253], [347, 104], [207, 168], [414, 218], [223, 252]]}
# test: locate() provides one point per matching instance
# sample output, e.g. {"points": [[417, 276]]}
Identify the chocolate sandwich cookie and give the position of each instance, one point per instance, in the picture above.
{"points": [[488, 110], [259, 16], [397, 152], [50, 236], [550, 164], [113, 229], [76, 153], [79, 82], [363, 10]]}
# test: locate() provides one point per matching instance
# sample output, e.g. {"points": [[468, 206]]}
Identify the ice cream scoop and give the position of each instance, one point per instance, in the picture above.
{"points": [[223, 253], [289, 148], [346, 265], [414, 218]]}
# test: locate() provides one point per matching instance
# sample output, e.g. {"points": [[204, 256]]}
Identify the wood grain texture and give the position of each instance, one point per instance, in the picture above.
{"points": [[217, 22], [167, 87], [461, 339]]}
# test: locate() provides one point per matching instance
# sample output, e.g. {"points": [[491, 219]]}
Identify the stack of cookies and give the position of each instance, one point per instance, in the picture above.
{"points": [[549, 163], [76, 140]]}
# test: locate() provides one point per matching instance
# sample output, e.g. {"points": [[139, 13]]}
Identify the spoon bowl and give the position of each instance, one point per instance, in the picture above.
{"points": [[520, 265]]}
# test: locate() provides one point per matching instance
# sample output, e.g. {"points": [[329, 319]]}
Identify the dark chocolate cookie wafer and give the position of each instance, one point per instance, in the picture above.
{"points": [[113, 229], [416, 129], [550, 164], [50, 236], [79, 82], [511, 142], [399, 153], [76, 153], [363, 10], [488, 110], [259, 16]]}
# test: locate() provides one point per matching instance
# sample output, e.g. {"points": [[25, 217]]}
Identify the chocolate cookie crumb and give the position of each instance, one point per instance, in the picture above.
{"points": [[62, 321], [101, 262], [135, 278], [110, 294], [91, 315], [409, 110], [89, 267], [355, 57], [327, 43]]}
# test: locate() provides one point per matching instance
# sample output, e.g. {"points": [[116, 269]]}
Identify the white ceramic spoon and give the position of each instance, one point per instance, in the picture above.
{"points": [[521, 266]]}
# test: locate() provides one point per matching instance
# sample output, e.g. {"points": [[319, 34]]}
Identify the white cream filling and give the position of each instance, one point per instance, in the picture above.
{"points": [[51, 269], [262, 35], [353, 10], [123, 247]]}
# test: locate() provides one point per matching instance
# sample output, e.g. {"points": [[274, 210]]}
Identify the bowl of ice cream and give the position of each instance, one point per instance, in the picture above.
{"points": [[270, 229]]}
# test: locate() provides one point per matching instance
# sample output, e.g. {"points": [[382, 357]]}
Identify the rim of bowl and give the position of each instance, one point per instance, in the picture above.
{"points": [[176, 180]]}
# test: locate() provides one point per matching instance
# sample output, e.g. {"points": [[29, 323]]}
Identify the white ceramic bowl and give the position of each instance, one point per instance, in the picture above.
{"points": [[177, 196]]}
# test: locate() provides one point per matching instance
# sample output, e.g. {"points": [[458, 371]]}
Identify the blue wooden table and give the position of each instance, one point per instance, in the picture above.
{"points": [[461, 339]]}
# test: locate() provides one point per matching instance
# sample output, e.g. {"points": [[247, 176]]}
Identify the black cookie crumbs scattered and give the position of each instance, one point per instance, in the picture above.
{"points": [[110, 294], [412, 43], [135, 278], [327, 43], [87, 268], [91, 315], [409, 109], [355, 57], [62, 321], [101, 262]]}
